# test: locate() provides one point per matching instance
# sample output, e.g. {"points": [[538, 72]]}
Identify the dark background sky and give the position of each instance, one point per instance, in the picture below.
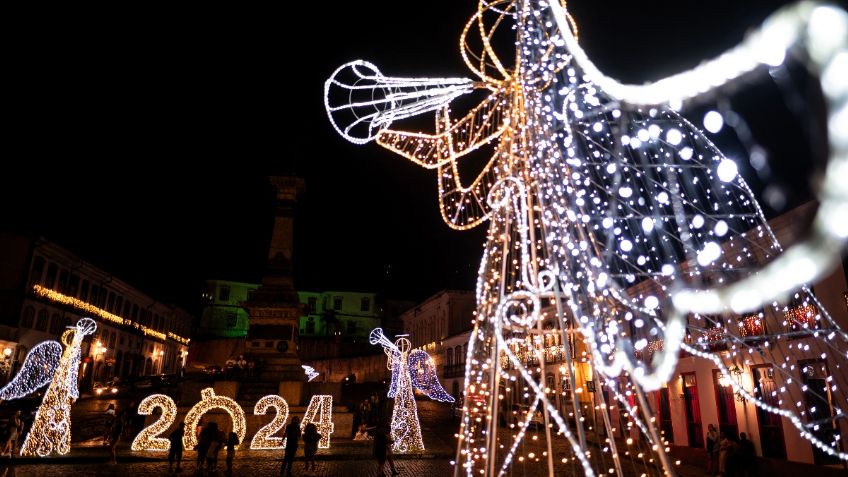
{"points": [[141, 139]]}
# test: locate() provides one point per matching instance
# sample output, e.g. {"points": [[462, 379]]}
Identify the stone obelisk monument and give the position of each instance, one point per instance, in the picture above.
{"points": [[274, 307]]}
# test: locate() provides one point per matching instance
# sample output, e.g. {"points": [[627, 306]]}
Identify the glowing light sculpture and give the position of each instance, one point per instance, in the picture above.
{"points": [[263, 439], [146, 440], [320, 412], [48, 363], [211, 401], [612, 221], [310, 372], [411, 369]]}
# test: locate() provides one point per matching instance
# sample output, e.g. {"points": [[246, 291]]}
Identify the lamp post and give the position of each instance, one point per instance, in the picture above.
{"points": [[99, 351], [6, 364]]}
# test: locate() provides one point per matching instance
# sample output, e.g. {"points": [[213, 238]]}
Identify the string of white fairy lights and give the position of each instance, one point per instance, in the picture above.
{"points": [[822, 32], [606, 208]]}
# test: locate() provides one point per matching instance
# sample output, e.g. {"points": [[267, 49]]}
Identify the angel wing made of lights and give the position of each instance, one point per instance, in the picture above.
{"points": [[38, 369]]}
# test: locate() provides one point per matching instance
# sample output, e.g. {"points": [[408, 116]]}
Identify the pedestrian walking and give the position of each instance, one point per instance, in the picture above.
{"points": [[310, 445], [383, 451], [292, 435], [176, 450], [232, 442], [747, 457], [212, 453], [712, 449], [115, 437], [726, 450], [108, 421], [14, 429], [204, 442]]}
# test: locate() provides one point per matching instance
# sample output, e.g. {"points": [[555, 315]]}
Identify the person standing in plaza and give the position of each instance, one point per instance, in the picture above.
{"points": [[310, 445], [747, 461], [712, 449], [117, 430], [232, 442], [292, 435], [383, 451], [176, 450], [108, 421], [15, 428]]}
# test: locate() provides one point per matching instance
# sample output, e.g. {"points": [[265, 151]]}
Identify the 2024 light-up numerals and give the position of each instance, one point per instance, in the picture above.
{"points": [[320, 412], [263, 439], [146, 439], [211, 401]]}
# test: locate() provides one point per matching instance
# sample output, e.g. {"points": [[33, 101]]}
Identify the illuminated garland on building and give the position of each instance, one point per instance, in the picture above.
{"points": [[210, 401], [320, 413], [607, 205], [146, 440], [51, 428], [85, 307], [263, 439]]}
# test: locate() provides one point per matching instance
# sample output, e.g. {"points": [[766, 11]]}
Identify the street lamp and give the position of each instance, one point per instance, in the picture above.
{"points": [[726, 381], [6, 364]]}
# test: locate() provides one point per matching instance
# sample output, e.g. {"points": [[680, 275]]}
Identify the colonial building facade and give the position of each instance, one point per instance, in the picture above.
{"points": [[44, 288]]}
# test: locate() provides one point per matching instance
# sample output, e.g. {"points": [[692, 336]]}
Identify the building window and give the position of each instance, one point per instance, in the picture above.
{"points": [[311, 305], [55, 324], [36, 271], [73, 285], [28, 317], [121, 339], [269, 344], [127, 306], [224, 293], [337, 303], [41, 322], [112, 339], [95, 293], [365, 304], [84, 291], [351, 327], [232, 319], [50, 278], [119, 304], [63, 281], [310, 325]]}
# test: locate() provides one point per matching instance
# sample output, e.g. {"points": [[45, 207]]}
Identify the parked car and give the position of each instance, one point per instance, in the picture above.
{"points": [[213, 370], [110, 389]]}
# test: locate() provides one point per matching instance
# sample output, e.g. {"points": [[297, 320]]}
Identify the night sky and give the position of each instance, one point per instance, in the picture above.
{"points": [[143, 143]]}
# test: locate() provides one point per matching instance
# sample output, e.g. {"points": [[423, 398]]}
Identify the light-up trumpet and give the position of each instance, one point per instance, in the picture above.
{"points": [[371, 101]]}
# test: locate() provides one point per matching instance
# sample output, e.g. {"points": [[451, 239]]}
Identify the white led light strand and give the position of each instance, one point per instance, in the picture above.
{"points": [[822, 31], [381, 100]]}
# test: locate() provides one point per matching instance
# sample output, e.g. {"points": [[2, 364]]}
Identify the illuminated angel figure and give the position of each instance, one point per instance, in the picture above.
{"points": [[619, 237], [410, 369], [48, 363]]}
